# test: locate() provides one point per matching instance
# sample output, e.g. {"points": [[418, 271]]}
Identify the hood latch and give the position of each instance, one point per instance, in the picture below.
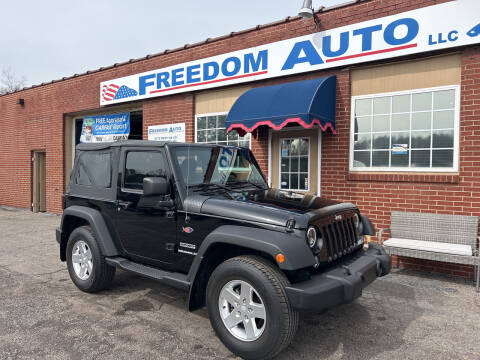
{"points": [[290, 225]]}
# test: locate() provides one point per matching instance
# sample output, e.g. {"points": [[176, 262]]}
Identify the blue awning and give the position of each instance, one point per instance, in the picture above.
{"points": [[308, 103]]}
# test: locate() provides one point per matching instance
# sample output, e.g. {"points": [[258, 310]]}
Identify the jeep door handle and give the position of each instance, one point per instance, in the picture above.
{"points": [[124, 205]]}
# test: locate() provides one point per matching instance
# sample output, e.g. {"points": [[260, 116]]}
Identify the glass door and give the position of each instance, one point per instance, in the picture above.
{"points": [[295, 160]]}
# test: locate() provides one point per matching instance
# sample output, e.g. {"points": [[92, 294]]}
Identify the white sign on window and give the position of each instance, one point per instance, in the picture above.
{"points": [[169, 132]]}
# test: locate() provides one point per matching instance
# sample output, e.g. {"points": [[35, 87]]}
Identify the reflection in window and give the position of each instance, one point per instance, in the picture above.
{"points": [[294, 164], [142, 164], [215, 165], [414, 130], [211, 130], [94, 169]]}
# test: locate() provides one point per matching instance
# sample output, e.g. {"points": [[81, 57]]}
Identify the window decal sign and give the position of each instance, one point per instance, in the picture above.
{"points": [[442, 26], [400, 149], [169, 132], [105, 128], [224, 165]]}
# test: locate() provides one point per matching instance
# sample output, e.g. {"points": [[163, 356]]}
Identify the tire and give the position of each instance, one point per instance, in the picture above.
{"points": [[271, 335], [98, 275]]}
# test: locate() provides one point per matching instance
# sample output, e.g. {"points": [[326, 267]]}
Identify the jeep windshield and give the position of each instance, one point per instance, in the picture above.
{"points": [[228, 168]]}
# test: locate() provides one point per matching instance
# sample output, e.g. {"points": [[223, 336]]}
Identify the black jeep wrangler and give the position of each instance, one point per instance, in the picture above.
{"points": [[202, 218]]}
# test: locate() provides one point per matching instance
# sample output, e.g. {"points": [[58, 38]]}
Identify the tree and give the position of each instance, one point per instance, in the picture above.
{"points": [[9, 82]]}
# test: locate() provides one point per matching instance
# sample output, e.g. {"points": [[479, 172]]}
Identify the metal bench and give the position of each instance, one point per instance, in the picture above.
{"points": [[438, 237]]}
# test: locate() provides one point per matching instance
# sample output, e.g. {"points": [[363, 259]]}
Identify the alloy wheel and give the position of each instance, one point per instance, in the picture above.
{"points": [[242, 310], [82, 260]]}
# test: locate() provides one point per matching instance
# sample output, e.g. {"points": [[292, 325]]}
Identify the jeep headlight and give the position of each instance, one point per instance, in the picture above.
{"points": [[311, 237], [314, 239]]}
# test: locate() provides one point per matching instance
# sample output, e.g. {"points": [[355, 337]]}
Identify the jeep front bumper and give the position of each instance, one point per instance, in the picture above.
{"points": [[342, 283]]}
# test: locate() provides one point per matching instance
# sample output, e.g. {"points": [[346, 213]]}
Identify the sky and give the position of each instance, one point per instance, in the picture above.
{"points": [[47, 40]]}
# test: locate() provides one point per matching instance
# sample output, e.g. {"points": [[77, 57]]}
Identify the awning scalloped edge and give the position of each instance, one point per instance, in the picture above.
{"points": [[242, 129]]}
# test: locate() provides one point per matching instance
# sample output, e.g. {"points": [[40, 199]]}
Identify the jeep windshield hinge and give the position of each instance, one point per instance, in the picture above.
{"points": [[290, 225]]}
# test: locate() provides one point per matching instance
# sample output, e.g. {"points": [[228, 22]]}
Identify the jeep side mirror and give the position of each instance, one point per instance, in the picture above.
{"points": [[155, 186]]}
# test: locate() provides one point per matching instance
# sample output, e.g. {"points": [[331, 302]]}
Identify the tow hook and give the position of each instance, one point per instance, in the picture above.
{"points": [[347, 270]]}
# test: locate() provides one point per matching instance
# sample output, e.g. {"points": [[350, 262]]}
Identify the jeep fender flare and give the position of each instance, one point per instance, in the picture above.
{"points": [[95, 220], [368, 228], [292, 245], [297, 254]]}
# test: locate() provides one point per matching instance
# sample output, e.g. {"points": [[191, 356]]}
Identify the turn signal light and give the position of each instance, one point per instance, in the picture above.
{"points": [[280, 258]]}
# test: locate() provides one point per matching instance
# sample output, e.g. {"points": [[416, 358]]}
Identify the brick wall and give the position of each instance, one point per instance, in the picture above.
{"points": [[170, 110], [260, 148]]}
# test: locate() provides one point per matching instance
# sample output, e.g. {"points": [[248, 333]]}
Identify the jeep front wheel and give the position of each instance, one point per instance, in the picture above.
{"points": [[86, 265], [249, 309]]}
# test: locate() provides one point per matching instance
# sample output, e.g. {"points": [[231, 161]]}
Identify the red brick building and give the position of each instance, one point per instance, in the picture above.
{"points": [[407, 114]]}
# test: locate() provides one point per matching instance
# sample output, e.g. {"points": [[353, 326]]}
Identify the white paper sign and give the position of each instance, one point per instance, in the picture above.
{"points": [[169, 132]]}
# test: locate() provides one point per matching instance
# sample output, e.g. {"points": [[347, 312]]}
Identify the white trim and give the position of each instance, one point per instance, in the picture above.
{"points": [[212, 114], [74, 121], [456, 144], [195, 126], [216, 140], [319, 160], [456, 126], [298, 172], [269, 157]]}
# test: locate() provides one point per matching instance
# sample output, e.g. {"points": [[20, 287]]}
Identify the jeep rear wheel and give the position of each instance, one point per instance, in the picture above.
{"points": [[249, 309], [86, 265]]}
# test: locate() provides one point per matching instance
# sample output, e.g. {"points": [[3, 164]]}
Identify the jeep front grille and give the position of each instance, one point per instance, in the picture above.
{"points": [[340, 237]]}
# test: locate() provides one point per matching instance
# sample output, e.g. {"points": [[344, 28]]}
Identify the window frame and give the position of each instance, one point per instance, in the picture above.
{"points": [[125, 153], [280, 163], [76, 172], [456, 134], [216, 143]]}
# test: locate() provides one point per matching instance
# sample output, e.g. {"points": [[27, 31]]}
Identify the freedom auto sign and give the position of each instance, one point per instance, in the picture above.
{"points": [[169, 132], [437, 27]]}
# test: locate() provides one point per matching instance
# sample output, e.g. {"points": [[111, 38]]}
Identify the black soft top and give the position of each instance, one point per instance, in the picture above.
{"points": [[136, 143]]}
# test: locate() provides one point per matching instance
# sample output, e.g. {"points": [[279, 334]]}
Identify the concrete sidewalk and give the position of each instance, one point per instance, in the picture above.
{"points": [[405, 315]]}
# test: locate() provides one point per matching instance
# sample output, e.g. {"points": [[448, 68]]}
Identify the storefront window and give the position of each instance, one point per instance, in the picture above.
{"points": [[210, 129], [406, 131], [294, 164]]}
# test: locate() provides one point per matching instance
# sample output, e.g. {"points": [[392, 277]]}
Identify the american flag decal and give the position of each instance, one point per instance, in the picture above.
{"points": [[114, 92], [109, 91]]}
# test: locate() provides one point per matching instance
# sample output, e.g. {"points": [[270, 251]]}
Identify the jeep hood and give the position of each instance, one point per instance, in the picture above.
{"points": [[272, 207]]}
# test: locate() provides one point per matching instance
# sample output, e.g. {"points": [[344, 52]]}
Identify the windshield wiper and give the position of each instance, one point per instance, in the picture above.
{"points": [[210, 187], [205, 185], [243, 183]]}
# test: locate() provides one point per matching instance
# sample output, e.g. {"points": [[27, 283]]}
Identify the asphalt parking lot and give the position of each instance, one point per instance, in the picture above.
{"points": [[405, 315]]}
